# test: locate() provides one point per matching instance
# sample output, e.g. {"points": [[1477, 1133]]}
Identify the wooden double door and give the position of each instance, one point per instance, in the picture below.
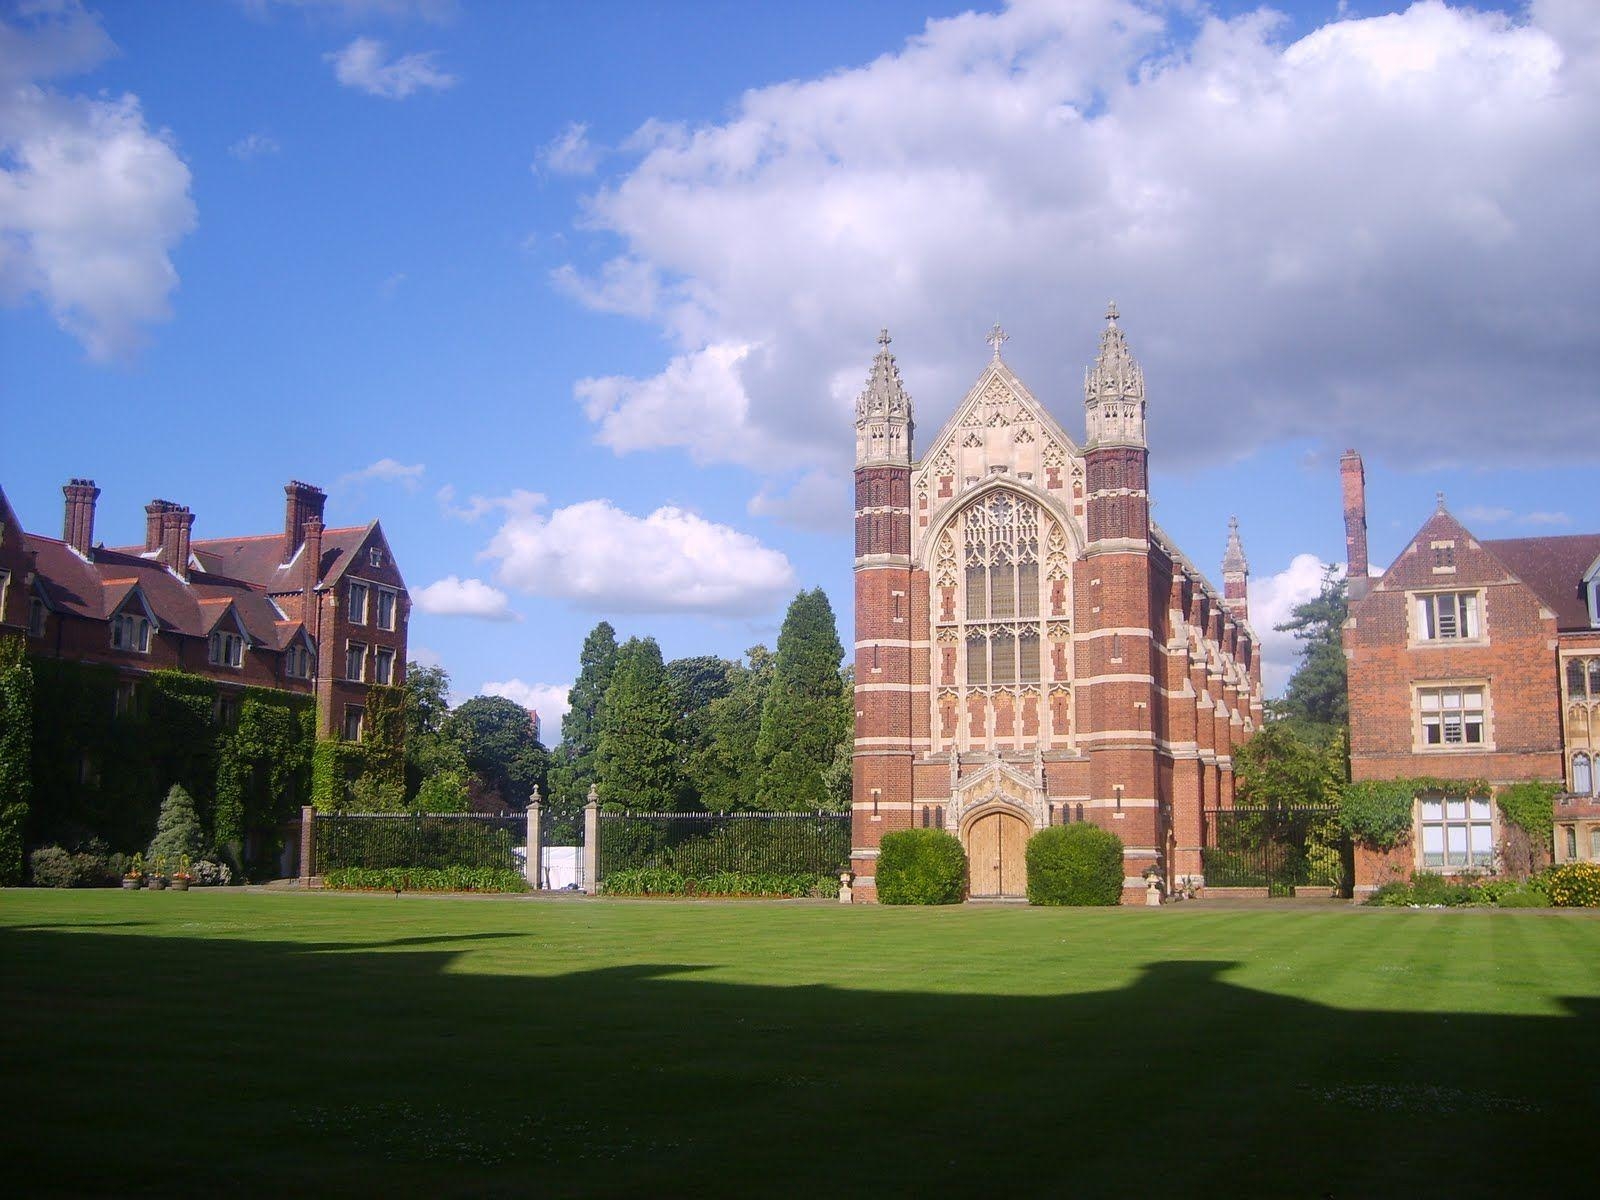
{"points": [[997, 847]]}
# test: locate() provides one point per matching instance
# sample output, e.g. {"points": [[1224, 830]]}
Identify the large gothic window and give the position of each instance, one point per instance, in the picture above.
{"points": [[1001, 552]]}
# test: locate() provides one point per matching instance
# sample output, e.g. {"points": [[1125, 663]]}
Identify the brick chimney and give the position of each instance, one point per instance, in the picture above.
{"points": [[176, 524], [152, 522], [302, 501], [1353, 479], [310, 576], [77, 526]]}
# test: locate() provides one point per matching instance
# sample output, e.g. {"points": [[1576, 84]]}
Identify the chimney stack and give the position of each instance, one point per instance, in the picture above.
{"points": [[176, 523], [1353, 478], [152, 522], [77, 526], [302, 502], [310, 576]]}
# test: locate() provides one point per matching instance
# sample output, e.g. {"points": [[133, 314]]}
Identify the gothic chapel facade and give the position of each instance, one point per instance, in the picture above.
{"points": [[1031, 649]]}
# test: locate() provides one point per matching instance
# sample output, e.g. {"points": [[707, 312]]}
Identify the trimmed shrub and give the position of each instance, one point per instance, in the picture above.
{"points": [[1573, 885], [1075, 864], [52, 867], [425, 879], [921, 866], [663, 881]]}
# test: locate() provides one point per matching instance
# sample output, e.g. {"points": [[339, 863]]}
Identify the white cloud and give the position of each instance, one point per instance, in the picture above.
{"points": [[254, 145], [570, 153], [818, 500], [453, 596], [92, 201], [361, 65], [519, 501], [425, 656], [549, 700], [387, 470], [1485, 514], [604, 559], [1546, 518], [1382, 229], [391, 285], [437, 12], [1272, 600]]}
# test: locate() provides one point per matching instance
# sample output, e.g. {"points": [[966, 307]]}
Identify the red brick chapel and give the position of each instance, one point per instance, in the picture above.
{"points": [[1031, 649]]}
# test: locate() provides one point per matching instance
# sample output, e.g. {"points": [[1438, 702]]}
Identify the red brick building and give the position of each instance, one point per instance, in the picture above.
{"points": [[1031, 649], [310, 610], [1472, 659]]}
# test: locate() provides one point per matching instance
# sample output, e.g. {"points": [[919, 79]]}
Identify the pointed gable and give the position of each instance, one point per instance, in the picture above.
{"points": [[1443, 553]]}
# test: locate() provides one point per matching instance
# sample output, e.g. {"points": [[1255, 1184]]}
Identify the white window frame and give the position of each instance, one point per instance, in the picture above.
{"points": [[359, 713], [1443, 690], [1450, 816], [351, 651], [1429, 619], [1587, 787], [375, 556], [130, 633], [225, 648], [5, 592], [352, 614], [391, 598], [383, 665]]}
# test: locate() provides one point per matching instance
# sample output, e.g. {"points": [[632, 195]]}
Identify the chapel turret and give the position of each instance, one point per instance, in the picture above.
{"points": [[1113, 391], [883, 412]]}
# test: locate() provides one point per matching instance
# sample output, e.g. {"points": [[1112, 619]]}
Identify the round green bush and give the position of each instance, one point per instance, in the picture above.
{"points": [[921, 866], [1572, 885], [1074, 864]]}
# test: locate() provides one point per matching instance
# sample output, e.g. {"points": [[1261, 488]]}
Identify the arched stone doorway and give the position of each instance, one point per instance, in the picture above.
{"points": [[997, 868]]}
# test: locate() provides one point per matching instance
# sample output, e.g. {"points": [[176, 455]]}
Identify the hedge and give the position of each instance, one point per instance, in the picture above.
{"points": [[921, 866], [662, 881], [425, 879], [1077, 864]]}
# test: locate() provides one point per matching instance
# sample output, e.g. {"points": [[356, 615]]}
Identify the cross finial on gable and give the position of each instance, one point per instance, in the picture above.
{"points": [[997, 338], [1439, 497], [1111, 312], [884, 339]]}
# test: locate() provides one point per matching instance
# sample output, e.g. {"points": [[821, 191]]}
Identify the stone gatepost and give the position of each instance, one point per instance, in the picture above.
{"points": [[308, 843], [533, 867], [591, 842]]}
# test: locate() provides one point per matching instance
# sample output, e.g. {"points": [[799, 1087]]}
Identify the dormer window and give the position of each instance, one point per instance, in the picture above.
{"points": [[356, 606], [297, 661], [1448, 617], [131, 632], [375, 556], [226, 649]]}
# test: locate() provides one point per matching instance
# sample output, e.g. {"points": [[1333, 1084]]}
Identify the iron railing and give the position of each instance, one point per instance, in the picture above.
{"points": [[1279, 849], [698, 845], [381, 840]]}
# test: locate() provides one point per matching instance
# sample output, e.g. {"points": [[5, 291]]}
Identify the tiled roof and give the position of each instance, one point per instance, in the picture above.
{"points": [[99, 589], [1553, 567]]}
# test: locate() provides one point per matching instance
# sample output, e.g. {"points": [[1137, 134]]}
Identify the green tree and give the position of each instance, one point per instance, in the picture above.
{"points": [[720, 764], [497, 741], [1317, 698], [696, 683], [1279, 767], [802, 720], [429, 751], [638, 751], [177, 830], [16, 754], [574, 767]]}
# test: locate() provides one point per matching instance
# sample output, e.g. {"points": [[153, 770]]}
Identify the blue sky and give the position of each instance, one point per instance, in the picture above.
{"points": [[576, 298]]}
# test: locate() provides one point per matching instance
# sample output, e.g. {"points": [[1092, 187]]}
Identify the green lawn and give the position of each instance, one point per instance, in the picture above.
{"points": [[287, 1044]]}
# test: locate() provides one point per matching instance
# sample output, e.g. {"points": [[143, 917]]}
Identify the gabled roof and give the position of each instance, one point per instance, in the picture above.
{"points": [[1554, 568], [997, 370]]}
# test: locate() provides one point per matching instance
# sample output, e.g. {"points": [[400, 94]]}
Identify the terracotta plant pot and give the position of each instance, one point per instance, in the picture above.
{"points": [[180, 885]]}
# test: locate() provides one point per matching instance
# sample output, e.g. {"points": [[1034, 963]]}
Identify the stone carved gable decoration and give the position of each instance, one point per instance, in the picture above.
{"points": [[999, 430], [986, 786]]}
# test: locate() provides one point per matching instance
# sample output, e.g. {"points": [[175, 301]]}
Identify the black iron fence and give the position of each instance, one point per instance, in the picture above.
{"points": [[700, 845], [383, 840], [1279, 849]]}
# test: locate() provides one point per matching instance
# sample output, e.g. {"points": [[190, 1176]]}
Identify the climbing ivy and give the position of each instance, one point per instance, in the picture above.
{"points": [[16, 754], [1377, 812], [384, 735]]}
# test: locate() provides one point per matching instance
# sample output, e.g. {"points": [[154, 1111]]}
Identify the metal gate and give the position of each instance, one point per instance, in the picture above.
{"points": [[1279, 849]]}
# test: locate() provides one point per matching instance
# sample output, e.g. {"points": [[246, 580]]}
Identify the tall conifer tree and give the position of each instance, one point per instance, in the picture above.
{"points": [[637, 755], [802, 720], [574, 769]]}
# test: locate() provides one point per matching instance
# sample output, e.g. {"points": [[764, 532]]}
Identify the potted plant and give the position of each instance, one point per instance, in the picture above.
{"points": [[158, 876], [182, 877], [133, 877]]}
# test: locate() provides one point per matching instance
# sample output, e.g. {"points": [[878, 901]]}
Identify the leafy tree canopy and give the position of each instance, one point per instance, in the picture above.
{"points": [[1317, 698], [496, 739], [802, 719], [637, 757], [575, 766]]}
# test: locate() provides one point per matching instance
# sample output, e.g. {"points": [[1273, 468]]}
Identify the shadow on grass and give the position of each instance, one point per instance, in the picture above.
{"points": [[182, 1066]]}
